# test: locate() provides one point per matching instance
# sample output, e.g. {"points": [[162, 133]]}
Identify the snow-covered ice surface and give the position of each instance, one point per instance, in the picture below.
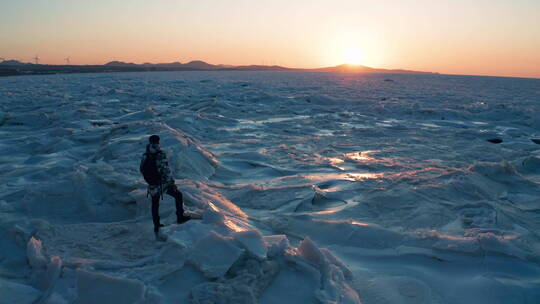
{"points": [[313, 188]]}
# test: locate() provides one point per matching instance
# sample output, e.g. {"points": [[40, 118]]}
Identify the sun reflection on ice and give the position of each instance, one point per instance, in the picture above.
{"points": [[362, 155], [213, 207], [335, 161], [344, 221], [363, 176], [357, 223], [228, 221], [339, 163], [353, 177], [233, 226]]}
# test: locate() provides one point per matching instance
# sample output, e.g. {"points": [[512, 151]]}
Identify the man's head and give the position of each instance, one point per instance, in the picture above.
{"points": [[154, 139]]}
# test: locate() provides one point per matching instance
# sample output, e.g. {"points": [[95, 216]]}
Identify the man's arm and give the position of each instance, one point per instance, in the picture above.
{"points": [[143, 159]]}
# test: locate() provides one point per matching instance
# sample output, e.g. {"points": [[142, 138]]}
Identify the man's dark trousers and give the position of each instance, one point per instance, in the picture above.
{"points": [[174, 192]]}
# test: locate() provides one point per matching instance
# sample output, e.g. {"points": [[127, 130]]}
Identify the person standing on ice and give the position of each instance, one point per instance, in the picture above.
{"points": [[156, 172]]}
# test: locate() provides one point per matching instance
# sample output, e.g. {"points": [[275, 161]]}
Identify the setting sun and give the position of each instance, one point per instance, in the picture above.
{"points": [[352, 55]]}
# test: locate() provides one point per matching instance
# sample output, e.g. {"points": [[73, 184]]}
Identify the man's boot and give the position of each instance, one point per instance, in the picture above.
{"points": [[160, 236], [157, 224], [180, 219]]}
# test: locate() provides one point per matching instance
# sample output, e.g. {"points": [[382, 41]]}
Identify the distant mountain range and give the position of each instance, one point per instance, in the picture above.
{"points": [[14, 67]]}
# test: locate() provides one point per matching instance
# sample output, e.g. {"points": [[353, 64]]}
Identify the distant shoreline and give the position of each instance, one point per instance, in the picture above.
{"points": [[15, 68], [33, 69]]}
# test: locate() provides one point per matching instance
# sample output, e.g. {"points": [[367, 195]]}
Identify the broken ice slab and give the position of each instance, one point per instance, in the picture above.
{"points": [[214, 254], [93, 287], [252, 241]]}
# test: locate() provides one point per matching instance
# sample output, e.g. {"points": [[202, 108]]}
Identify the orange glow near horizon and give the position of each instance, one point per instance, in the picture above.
{"points": [[494, 37]]}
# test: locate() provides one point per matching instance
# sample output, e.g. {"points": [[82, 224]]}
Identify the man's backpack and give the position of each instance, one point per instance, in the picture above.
{"points": [[149, 169]]}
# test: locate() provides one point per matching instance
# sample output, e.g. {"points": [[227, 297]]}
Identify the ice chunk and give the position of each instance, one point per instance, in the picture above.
{"points": [[252, 241], [334, 260], [310, 252], [334, 286], [45, 279], [105, 289], [11, 292], [214, 255], [52, 274], [276, 244], [188, 233], [142, 200], [253, 274], [212, 216], [53, 270], [291, 286], [34, 252], [173, 254], [55, 299]]}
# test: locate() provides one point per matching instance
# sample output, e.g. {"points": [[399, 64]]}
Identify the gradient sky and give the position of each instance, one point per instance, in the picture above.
{"points": [[481, 37]]}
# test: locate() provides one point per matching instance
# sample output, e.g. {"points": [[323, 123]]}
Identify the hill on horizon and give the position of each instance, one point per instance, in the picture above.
{"points": [[355, 68]]}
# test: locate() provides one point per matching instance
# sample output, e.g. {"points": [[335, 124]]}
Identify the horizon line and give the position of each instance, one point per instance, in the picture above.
{"points": [[232, 66]]}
